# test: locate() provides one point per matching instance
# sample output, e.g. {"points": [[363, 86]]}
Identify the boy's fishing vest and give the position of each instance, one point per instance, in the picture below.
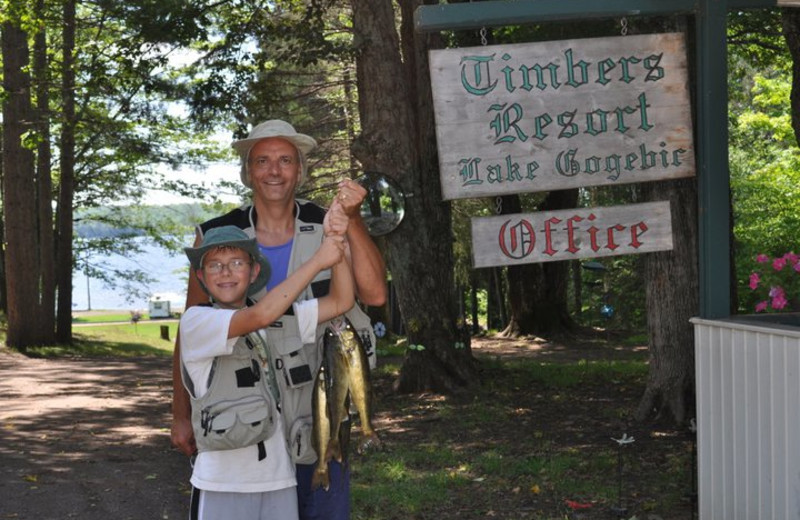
{"points": [[238, 409], [296, 364]]}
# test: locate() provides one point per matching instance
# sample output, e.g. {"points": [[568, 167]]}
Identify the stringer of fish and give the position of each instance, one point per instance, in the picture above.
{"points": [[344, 375]]}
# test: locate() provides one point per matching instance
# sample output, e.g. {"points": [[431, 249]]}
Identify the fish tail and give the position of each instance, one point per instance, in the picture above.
{"points": [[334, 450], [321, 477]]}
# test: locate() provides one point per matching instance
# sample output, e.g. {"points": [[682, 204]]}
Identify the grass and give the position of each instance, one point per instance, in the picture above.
{"points": [[105, 317], [101, 317], [532, 437], [126, 340]]}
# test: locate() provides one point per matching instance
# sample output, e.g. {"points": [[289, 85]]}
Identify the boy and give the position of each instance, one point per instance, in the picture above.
{"points": [[243, 469]]}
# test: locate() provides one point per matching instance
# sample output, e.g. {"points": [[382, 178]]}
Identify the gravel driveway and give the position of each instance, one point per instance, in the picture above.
{"points": [[88, 439]]}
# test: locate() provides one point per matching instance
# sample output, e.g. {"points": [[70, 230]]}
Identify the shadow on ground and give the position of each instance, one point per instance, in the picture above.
{"points": [[88, 439]]}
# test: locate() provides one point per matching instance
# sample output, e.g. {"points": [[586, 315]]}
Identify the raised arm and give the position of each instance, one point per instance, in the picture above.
{"points": [[275, 303], [341, 297], [368, 266]]}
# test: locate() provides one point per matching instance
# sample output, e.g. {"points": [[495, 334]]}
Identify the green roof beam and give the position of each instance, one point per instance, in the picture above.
{"points": [[495, 13]]}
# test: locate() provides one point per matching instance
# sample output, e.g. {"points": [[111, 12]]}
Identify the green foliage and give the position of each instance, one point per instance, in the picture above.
{"points": [[130, 127], [764, 160], [286, 60]]}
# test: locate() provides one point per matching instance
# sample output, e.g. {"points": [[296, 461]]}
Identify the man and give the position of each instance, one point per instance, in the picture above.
{"points": [[288, 231]]}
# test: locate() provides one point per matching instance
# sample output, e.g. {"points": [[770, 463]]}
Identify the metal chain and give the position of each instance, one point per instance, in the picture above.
{"points": [[483, 36], [498, 205], [624, 26]]}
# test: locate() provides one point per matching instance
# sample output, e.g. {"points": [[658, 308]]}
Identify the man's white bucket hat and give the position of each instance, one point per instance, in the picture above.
{"points": [[274, 128]]}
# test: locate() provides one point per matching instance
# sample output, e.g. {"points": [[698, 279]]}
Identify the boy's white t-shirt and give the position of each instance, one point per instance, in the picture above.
{"points": [[203, 335]]}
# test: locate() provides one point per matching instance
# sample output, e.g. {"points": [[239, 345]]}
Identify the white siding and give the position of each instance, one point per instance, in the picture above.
{"points": [[748, 420]]}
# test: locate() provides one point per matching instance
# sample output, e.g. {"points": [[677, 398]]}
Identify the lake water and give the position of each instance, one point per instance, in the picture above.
{"points": [[169, 271]]}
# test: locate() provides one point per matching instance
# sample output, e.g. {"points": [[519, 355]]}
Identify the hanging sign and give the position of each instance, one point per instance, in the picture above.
{"points": [[571, 234], [561, 114]]}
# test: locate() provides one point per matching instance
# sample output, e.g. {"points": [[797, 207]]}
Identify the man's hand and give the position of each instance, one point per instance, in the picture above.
{"points": [[351, 194], [182, 436]]}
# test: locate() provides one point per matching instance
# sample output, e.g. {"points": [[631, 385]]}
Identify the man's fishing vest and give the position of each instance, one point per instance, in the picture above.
{"points": [[296, 363], [238, 409]]}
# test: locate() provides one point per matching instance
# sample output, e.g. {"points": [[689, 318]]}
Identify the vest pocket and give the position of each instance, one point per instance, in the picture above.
{"points": [[235, 423], [296, 368], [300, 444], [293, 361]]}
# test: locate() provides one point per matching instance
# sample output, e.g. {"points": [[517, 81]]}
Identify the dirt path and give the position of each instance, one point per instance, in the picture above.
{"points": [[88, 439]]}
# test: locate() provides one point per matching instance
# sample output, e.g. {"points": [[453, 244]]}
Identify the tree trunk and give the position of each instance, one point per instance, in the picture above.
{"points": [[577, 287], [398, 139], [19, 208], [473, 299], [671, 289], [537, 293], [495, 299], [44, 182], [3, 292], [791, 32], [67, 185]]}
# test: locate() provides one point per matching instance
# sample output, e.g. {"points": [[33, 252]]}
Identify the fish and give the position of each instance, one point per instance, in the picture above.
{"points": [[343, 376]]}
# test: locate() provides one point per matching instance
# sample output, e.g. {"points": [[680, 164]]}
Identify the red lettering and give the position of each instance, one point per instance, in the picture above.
{"points": [[571, 246], [548, 235], [518, 240], [611, 244], [637, 230], [593, 234], [582, 234]]}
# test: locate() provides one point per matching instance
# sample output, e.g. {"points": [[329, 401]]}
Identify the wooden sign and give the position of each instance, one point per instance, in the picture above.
{"points": [[571, 234], [562, 114]]}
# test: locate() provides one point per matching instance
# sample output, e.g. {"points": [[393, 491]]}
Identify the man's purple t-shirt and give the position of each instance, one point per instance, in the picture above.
{"points": [[278, 257]]}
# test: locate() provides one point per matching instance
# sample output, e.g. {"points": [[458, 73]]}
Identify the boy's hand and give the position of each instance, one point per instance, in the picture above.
{"points": [[182, 436], [331, 251], [336, 220]]}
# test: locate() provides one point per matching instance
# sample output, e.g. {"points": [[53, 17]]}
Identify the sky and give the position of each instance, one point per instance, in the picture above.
{"points": [[209, 177], [213, 173]]}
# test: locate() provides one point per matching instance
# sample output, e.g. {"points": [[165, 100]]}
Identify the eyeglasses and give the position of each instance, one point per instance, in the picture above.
{"points": [[234, 266]]}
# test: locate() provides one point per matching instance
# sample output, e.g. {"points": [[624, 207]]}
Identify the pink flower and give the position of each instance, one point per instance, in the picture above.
{"points": [[778, 296], [779, 302], [779, 283], [776, 291]]}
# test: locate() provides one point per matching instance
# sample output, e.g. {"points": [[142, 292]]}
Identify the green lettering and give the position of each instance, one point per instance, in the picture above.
{"points": [[479, 82]]}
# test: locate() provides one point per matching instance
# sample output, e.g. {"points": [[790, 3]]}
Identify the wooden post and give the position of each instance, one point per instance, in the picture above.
{"points": [[165, 332]]}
